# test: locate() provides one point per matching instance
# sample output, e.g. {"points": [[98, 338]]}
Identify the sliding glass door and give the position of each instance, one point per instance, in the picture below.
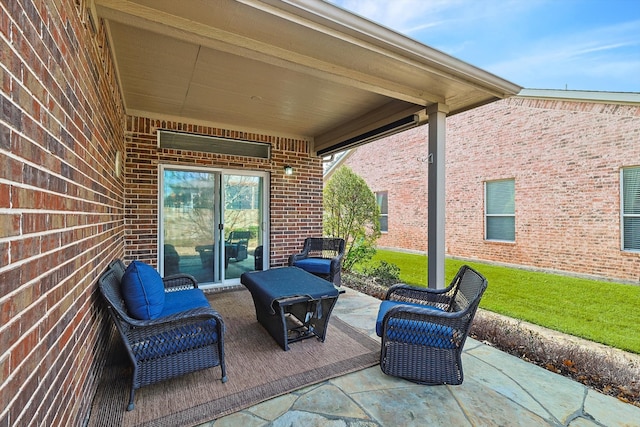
{"points": [[212, 223], [243, 213]]}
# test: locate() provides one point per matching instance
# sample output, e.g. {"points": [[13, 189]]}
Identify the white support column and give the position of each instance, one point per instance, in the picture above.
{"points": [[436, 239]]}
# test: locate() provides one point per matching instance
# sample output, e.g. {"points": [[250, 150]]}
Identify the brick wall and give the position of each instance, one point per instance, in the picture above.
{"points": [[61, 208], [395, 164], [295, 200], [565, 157], [65, 212]]}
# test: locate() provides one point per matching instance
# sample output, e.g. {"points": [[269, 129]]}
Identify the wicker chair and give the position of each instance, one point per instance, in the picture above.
{"points": [[424, 330], [236, 245], [171, 260], [321, 256], [168, 346]]}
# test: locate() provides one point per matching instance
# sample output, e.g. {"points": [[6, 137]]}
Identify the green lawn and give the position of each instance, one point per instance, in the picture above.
{"points": [[599, 311]]}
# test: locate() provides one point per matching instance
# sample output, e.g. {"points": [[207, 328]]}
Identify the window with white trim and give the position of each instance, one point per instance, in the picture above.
{"points": [[383, 207], [630, 202], [500, 210]]}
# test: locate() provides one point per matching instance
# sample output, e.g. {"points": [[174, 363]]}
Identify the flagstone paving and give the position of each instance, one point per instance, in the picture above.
{"points": [[498, 390]]}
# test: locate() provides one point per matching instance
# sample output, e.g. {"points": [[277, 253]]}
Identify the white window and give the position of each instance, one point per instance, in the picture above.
{"points": [[500, 210], [630, 202], [383, 206]]}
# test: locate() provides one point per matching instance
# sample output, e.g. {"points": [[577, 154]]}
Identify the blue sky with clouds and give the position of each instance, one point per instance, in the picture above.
{"points": [[538, 44]]}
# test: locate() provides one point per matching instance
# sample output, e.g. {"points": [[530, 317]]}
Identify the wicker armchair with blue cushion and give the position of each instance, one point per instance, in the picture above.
{"points": [[166, 325], [321, 256], [424, 330], [236, 246]]}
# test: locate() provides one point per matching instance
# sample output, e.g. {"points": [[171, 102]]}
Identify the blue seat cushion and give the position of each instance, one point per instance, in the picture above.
{"points": [[175, 302], [416, 332], [314, 265], [143, 291], [183, 338]]}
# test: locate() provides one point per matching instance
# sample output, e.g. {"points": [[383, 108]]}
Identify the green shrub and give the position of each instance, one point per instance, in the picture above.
{"points": [[385, 273], [351, 213]]}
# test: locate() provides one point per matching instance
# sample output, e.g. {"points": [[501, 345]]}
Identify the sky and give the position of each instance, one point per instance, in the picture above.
{"points": [[591, 45]]}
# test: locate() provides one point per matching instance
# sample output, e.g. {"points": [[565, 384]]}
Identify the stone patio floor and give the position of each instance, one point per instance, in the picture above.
{"points": [[498, 390]]}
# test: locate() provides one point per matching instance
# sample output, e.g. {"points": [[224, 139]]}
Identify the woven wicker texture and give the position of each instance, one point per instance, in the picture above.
{"points": [[257, 367], [326, 248], [169, 346], [424, 345]]}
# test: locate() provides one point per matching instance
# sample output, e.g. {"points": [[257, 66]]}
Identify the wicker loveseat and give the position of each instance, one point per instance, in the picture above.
{"points": [[424, 330], [183, 334]]}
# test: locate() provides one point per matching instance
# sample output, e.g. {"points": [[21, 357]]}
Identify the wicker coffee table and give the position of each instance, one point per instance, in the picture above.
{"points": [[290, 303]]}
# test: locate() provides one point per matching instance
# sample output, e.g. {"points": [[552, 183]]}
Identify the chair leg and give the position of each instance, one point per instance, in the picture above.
{"points": [[224, 372], [134, 375], [131, 394], [221, 356]]}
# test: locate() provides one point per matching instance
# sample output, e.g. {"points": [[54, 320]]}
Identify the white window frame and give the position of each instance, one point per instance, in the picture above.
{"points": [[385, 194], [627, 215], [221, 281], [488, 215]]}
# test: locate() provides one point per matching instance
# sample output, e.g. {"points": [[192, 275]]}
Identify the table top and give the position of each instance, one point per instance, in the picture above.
{"points": [[286, 282]]}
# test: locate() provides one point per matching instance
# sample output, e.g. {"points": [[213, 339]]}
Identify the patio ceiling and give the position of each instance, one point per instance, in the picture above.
{"points": [[296, 68]]}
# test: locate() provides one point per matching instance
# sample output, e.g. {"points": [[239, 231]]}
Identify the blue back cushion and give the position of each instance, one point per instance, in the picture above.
{"points": [[143, 291], [314, 265]]}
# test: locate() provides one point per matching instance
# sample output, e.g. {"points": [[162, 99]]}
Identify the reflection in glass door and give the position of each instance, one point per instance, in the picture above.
{"points": [[243, 212], [194, 239], [189, 224]]}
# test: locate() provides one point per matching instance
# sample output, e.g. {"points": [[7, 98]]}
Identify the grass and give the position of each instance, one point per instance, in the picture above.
{"points": [[605, 312]]}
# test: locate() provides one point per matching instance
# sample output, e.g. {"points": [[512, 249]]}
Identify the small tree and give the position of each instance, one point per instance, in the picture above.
{"points": [[351, 213]]}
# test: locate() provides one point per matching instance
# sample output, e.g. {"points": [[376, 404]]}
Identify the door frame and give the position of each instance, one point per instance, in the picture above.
{"points": [[218, 215]]}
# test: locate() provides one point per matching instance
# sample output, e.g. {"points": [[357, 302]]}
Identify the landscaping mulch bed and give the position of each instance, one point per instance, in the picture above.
{"points": [[607, 370]]}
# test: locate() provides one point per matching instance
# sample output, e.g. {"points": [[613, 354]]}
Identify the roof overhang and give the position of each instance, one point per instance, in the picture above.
{"points": [[297, 68], [630, 98]]}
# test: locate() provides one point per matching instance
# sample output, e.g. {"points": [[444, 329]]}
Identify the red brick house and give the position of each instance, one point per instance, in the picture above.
{"points": [[118, 119], [563, 156]]}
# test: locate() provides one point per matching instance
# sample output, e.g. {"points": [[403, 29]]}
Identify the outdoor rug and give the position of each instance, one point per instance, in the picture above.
{"points": [[257, 367]]}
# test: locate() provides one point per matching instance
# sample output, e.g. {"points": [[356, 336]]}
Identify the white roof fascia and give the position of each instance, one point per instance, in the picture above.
{"points": [[392, 42], [582, 95]]}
